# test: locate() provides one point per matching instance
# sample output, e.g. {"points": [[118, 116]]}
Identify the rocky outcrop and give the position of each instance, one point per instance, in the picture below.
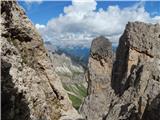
{"points": [[30, 87], [133, 93], [136, 74], [99, 79], [138, 45]]}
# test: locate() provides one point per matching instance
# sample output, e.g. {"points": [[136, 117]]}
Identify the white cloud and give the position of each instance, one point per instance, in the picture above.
{"points": [[38, 26], [80, 7], [81, 23], [33, 1]]}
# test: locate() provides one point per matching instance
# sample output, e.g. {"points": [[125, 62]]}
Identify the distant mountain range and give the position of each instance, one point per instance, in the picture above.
{"points": [[78, 54]]}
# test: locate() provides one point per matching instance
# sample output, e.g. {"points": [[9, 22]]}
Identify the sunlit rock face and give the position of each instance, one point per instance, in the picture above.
{"points": [[99, 80], [30, 87]]}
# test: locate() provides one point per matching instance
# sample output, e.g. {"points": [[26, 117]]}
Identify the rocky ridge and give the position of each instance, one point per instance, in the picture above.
{"points": [[30, 87]]}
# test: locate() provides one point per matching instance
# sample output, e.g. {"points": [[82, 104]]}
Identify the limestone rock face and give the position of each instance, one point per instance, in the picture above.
{"points": [[30, 88], [139, 44], [136, 74], [99, 79], [101, 49], [132, 92]]}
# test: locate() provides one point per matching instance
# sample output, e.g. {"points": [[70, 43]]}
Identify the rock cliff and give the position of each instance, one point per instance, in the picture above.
{"points": [[99, 79], [136, 74], [132, 92], [30, 87]]}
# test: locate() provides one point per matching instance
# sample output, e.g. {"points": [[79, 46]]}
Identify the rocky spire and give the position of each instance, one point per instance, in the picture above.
{"points": [[99, 79]]}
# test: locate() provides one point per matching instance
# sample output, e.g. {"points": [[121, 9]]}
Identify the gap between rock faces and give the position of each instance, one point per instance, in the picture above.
{"points": [[32, 87], [129, 92]]}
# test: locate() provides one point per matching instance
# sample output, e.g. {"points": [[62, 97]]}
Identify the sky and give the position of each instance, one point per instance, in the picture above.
{"points": [[78, 22]]}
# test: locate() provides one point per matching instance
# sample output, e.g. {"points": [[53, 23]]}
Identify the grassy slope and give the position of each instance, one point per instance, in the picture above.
{"points": [[76, 93]]}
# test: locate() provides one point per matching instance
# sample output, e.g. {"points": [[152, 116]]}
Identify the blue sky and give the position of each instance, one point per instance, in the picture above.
{"points": [[78, 22], [43, 12]]}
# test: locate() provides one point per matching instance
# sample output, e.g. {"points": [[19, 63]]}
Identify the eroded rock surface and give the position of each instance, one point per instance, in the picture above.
{"points": [[30, 88], [99, 79], [133, 91], [139, 44], [136, 74]]}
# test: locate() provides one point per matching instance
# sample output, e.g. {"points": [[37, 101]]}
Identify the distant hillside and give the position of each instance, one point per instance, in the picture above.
{"points": [[72, 77], [77, 54]]}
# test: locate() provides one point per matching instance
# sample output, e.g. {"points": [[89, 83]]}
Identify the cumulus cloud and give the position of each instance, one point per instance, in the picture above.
{"points": [[38, 26], [81, 22]]}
